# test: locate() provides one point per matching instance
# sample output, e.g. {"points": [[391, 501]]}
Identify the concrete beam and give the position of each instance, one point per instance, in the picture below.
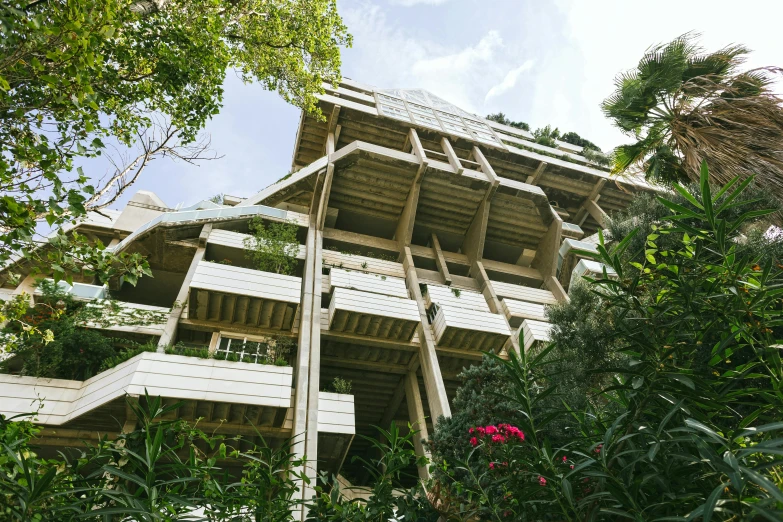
{"points": [[405, 223], [533, 178], [169, 335], [548, 248], [417, 420], [26, 287], [473, 244], [440, 261], [311, 444], [594, 195], [596, 212], [428, 358], [416, 147], [486, 168], [452, 156], [493, 301]]}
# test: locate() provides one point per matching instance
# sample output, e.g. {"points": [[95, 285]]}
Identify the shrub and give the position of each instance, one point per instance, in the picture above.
{"points": [[272, 247], [688, 424]]}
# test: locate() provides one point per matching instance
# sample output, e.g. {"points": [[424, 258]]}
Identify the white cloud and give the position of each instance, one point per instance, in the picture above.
{"points": [[388, 55], [409, 3], [510, 81]]}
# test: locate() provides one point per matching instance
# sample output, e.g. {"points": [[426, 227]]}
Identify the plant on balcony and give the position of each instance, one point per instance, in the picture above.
{"points": [[272, 247], [64, 349], [340, 385]]}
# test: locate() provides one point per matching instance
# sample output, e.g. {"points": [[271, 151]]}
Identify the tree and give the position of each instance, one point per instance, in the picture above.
{"points": [[685, 422], [683, 105], [546, 136], [575, 139], [78, 74], [272, 247], [501, 118], [52, 339]]}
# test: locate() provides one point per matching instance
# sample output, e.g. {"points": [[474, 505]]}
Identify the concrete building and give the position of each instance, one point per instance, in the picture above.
{"points": [[427, 235]]}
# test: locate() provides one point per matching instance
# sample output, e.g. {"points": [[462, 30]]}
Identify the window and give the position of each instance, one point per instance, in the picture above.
{"points": [[242, 349], [259, 350]]}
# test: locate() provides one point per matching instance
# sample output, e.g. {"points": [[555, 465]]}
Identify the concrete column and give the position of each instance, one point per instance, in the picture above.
{"points": [[169, 335], [417, 420], [428, 358], [303, 371], [311, 444]]}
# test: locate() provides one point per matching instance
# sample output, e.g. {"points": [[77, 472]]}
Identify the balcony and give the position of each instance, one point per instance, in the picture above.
{"points": [[376, 315], [523, 293], [210, 388], [373, 283], [242, 296], [336, 429], [127, 317], [461, 319], [467, 329], [517, 311], [532, 333]]}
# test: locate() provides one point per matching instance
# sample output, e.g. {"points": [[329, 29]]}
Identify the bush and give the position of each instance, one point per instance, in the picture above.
{"points": [[685, 422]]}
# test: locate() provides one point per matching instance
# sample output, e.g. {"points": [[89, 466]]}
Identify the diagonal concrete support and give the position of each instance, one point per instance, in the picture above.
{"points": [[169, 335], [428, 358], [417, 420]]}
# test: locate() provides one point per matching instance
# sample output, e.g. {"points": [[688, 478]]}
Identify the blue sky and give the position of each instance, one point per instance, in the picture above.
{"points": [[543, 62]]}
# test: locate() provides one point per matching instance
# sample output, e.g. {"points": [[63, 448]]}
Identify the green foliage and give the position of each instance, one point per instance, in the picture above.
{"points": [[50, 339], [386, 499], [646, 211], [163, 470], [684, 422], [682, 105], [340, 385], [596, 156], [272, 247], [546, 136], [502, 119], [83, 74], [483, 398], [217, 199], [126, 354], [575, 139], [584, 336]]}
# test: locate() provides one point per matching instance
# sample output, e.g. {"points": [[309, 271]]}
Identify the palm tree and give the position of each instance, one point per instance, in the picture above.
{"points": [[683, 105]]}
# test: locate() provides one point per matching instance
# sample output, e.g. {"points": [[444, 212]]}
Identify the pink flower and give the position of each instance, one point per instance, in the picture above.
{"points": [[565, 458], [498, 438], [474, 442], [471, 431], [491, 465], [541, 481], [599, 448], [481, 431], [491, 430], [571, 466]]}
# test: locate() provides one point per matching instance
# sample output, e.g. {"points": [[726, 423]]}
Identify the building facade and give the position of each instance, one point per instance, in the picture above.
{"points": [[427, 235]]}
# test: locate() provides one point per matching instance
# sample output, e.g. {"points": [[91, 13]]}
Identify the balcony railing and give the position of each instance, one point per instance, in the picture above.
{"points": [[124, 317], [169, 376], [235, 295], [376, 315], [373, 283], [533, 332], [468, 329]]}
